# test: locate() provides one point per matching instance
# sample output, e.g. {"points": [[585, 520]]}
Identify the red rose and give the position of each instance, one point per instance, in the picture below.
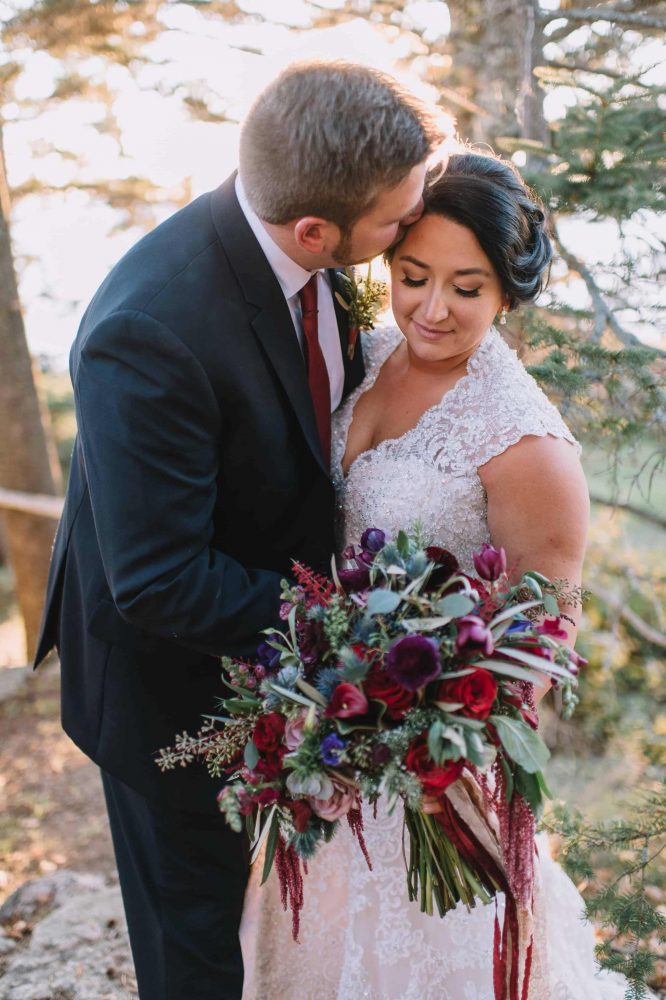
{"points": [[268, 732], [267, 796], [434, 778], [270, 765], [476, 691], [301, 812], [379, 686], [346, 700]]}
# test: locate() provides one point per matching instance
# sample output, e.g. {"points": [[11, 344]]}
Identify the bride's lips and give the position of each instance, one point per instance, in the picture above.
{"points": [[429, 334]]}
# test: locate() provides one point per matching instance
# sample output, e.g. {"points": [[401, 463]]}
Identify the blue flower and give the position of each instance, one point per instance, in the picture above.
{"points": [[332, 748]]}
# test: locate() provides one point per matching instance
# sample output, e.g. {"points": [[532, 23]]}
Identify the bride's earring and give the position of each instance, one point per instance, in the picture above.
{"points": [[502, 318]]}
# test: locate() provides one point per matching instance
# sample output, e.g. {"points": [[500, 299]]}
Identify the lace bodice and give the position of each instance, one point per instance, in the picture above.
{"points": [[429, 475]]}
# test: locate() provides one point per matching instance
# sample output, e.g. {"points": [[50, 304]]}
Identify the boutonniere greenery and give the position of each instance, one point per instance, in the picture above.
{"points": [[362, 299]]}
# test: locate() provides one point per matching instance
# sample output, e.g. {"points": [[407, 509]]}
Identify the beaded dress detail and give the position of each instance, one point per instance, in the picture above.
{"points": [[360, 936]]}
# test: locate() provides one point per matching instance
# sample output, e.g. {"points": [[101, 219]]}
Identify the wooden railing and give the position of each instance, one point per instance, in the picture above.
{"points": [[32, 503]]}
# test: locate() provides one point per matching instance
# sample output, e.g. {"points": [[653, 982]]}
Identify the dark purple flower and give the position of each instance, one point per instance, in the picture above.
{"points": [[312, 642], [354, 575], [413, 662], [373, 540], [490, 563], [331, 748], [269, 657], [380, 754], [473, 631]]}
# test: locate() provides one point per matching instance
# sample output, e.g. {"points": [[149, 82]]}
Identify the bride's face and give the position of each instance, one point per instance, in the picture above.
{"points": [[444, 291]]}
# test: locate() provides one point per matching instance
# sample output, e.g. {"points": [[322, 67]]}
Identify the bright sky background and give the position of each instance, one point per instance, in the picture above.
{"points": [[65, 244]]}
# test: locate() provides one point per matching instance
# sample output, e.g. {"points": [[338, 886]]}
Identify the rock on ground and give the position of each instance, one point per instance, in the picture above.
{"points": [[64, 937]]}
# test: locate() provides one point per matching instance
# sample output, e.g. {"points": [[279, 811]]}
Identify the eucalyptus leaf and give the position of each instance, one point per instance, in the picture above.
{"points": [[475, 748], [238, 706], [435, 742], [539, 663], [424, 624], [382, 602], [291, 695], [507, 670], [251, 755], [271, 844], [551, 606], [532, 585], [513, 612], [522, 743], [311, 692], [455, 605]]}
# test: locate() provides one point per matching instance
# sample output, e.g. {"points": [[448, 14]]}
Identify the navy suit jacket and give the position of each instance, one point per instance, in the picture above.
{"points": [[197, 477]]}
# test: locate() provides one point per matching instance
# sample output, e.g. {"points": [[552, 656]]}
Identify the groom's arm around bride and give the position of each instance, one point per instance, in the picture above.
{"points": [[199, 473]]}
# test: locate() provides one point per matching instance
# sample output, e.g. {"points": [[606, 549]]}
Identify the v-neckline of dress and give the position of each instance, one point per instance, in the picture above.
{"points": [[371, 378]]}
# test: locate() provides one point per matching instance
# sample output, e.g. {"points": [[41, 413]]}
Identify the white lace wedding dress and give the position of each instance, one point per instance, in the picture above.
{"points": [[360, 936]]}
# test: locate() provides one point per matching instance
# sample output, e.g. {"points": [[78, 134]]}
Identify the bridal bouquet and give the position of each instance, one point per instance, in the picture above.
{"points": [[405, 678]]}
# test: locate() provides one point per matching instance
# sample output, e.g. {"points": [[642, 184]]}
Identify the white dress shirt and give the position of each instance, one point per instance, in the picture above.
{"points": [[292, 277]]}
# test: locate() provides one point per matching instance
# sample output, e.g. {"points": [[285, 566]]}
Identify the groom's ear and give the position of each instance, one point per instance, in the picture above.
{"points": [[316, 235]]}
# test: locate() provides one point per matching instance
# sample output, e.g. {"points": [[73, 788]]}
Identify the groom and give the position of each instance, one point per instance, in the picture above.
{"points": [[205, 371]]}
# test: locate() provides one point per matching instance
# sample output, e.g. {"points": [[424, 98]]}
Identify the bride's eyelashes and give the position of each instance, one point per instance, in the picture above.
{"points": [[466, 293]]}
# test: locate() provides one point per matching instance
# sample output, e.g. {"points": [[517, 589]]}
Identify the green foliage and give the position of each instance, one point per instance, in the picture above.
{"points": [[607, 155], [621, 865]]}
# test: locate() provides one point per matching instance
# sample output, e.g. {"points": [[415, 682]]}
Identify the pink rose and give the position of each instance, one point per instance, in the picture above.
{"points": [[294, 731], [339, 804]]}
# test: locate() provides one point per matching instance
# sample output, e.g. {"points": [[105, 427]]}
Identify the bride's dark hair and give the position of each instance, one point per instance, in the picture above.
{"points": [[488, 196]]}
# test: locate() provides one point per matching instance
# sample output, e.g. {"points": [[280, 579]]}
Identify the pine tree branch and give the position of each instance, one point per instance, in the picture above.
{"points": [[582, 68], [588, 15], [631, 508], [603, 314], [645, 631]]}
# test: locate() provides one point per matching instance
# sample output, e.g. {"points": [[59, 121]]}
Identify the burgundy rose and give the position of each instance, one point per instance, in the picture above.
{"points": [[490, 563], [269, 766], [446, 565], [434, 778], [473, 631], [302, 813], [476, 691], [266, 797], [268, 731], [413, 662], [379, 686], [346, 701]]}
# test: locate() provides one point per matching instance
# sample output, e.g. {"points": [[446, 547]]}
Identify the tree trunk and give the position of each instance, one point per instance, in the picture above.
{"points": [[28, 460], [502, 42]]}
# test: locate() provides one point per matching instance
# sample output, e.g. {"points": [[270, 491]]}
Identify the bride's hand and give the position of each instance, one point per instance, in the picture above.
{"points": [[430, 804]]}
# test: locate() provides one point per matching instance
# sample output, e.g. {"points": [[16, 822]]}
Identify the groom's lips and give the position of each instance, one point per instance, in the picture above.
{"points": [[428, 333]]}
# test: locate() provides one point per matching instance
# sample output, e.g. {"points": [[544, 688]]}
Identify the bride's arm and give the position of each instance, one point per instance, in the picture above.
{"points": [[538, 510]]}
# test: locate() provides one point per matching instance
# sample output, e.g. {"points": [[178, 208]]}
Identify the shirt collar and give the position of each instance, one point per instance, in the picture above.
{"points": [[291, 276]]}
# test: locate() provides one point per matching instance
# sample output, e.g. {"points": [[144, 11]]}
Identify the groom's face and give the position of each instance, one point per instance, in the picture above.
{"points": [[383, 225]]}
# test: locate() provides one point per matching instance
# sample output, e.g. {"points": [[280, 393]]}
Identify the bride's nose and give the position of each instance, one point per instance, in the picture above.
{"points": [[435, 308]]}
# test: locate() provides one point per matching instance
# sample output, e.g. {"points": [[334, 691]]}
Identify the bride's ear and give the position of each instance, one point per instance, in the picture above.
{"points": [[315, 235]]}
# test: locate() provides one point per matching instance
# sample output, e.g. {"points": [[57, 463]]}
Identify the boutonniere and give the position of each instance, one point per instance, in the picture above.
{"points": [[363, 299]]}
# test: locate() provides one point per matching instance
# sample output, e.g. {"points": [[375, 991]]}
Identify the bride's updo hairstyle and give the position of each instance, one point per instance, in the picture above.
{"points": [[489, 197]]}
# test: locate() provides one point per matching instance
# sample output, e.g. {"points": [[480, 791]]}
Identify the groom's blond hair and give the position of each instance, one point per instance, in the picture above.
{"points": [[325, 138]]}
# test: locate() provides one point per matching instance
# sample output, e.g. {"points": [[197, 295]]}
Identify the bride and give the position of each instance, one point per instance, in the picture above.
{"points": [[449, 432]]}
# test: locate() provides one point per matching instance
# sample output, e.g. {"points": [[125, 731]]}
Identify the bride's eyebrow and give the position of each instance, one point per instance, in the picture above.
{"points": [[472, 270], [413, 260]]}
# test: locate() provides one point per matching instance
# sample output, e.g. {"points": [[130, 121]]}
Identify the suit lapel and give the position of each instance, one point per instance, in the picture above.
{"points": [[272, 322]]}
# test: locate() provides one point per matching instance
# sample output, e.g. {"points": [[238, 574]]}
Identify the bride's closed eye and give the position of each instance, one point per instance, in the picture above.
{"points": [[413, 282], [468, 293]]}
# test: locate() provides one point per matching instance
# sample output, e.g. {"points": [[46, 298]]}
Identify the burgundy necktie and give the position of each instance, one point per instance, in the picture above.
{"points": [[320, 388]]}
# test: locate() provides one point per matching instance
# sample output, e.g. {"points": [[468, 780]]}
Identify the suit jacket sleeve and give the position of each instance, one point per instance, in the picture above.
{"points": [[150, 428]]}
